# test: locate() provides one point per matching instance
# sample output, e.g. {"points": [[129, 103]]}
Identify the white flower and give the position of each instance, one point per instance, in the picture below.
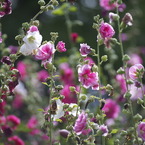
{"points": [[59, 111], [74, 108], [32, 41]]}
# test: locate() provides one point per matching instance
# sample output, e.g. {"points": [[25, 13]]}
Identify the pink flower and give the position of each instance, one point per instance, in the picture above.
{"points": [[104, 129], [2, 108], [69, 96], [16, 140], [5, 8], [136, 71], [45, 52], [74, 37], [107, 5], [127, 19], [18, 102], [81, 123], [13, 120], [87, 77], [66, 74], [85, 49], [121, 82], [64, 133], [90, 60], [21, 66], [106, 31], [13, 49], [141, 130], [42, 75], [111, 109], [135, 59], [1, 40], [61, 46]]}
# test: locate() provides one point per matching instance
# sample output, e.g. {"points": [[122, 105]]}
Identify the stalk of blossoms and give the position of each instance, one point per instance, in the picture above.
{"points": [[125, 66]]}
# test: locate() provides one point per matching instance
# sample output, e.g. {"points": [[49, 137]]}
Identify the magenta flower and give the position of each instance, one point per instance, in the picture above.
{"points": [[21, 66], [141, 130], [66, 74], [1, 40], [42, 75], [106, 31], [74, 37], [121, 82], [85, 49], [45, 52], [61, 46], [16, 140], [5, 8], [80, 123], [111, 109], [104, 129], [136, 71], [13, 49], [87, 77], [107, 5], [13, 121], [135, 59]]}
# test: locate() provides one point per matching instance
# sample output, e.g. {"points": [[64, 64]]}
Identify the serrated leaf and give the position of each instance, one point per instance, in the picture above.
{"points": [[114, 131]]}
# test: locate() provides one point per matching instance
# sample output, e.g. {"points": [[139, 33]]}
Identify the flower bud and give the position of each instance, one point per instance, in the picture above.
{"points": [[127, 95], [123, 133], [104, 58], [41, 2], [137, 117], [120, 71], [59, 87], [50, 7], [127, 19], [126, 58], [72, 89], [95, 68], [64, 133], [113, 17], [140, 101]]}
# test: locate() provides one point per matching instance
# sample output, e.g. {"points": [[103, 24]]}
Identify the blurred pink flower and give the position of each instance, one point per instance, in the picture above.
{"points": [[141, 130], [106, 31], [107, 5], [45, 52], [66, 74], [104, 129], [16, 140], [136, 71], [13, 121], [13, 49], [135, 59], [69, 96], [87, 77], [61, 46], [120, 79], [22, 67], [90, 60], [18, 102], [74, 37], [81, 124], [111, 109], [85, 49], [42, 75]]}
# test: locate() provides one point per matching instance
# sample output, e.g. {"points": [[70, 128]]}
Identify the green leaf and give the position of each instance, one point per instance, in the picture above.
{"points": [[40, 109], [58, 12], [58, 120], [73, 9], [44, 83], [114, 131], [143, 120]]}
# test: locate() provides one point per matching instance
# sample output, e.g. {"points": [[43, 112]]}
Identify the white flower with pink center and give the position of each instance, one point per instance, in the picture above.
{"points": [[32, 41], [87, 77]]}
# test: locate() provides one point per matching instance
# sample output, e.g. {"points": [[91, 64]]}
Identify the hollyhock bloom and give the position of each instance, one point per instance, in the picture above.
{"points": [[59, 111], [42, 75], [16, 140], [69, 96], [135, 59], [85, 49], [74, 108], [122, 7], [104, 129], [5, 8], [66, 74], [7, 130], [106, 31], [124, 37], [32, 41], [22, 67], [61, 46], [2, 120], [32, 125], [127, 19], [90, 60], [87, 77], [107, 5], [141, 130], [111, 108], [113, 17], [64, 133], [121, 82], [81, 124], [6, 60], [13, 120], [74, 37], [45, 52], [13, 49], [136, 71], [18, 102]]}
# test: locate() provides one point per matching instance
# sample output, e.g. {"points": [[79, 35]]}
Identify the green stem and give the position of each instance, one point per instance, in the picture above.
{"points": [[40, 12], [124, 65]]}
